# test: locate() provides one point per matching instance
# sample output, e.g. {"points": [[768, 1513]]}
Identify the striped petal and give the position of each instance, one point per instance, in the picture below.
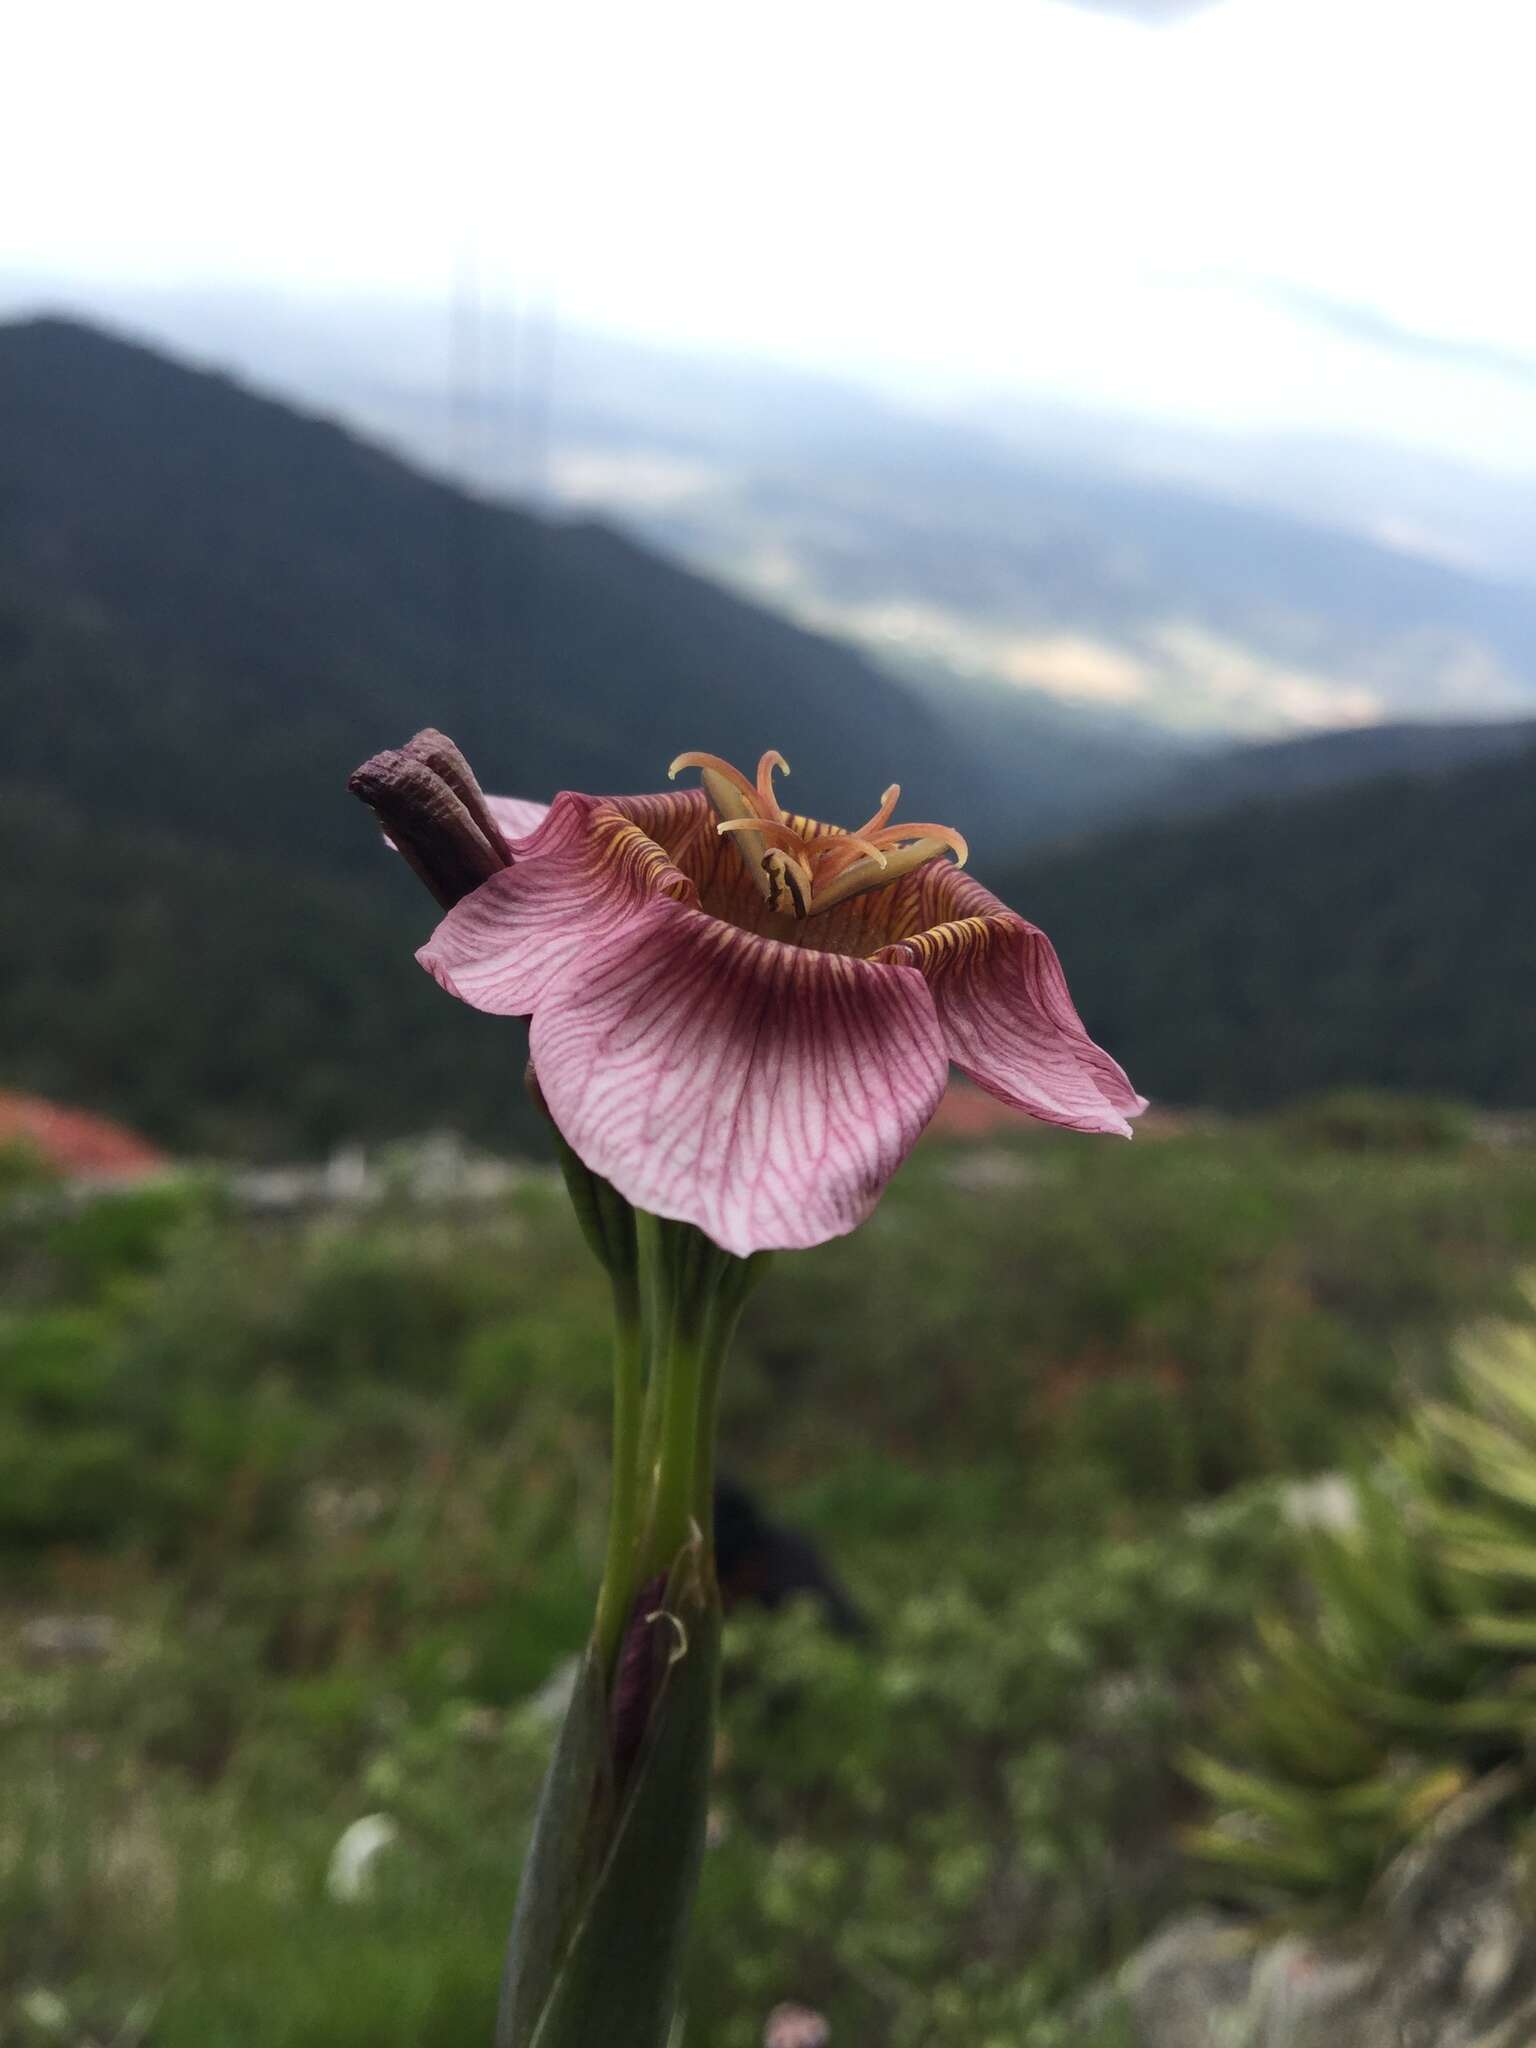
{"points": [[757, 1075], [580, 877], [763, 1092], [1009, 1021], [518, 816]]}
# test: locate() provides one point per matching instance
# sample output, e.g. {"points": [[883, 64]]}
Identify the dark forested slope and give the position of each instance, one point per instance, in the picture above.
{"points": [[211, 606], [1325, 760], [1384, 933]]}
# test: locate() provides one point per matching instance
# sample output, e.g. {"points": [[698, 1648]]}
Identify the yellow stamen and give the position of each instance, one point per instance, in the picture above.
{"points": [[887, 805], [713, 764], [833, 855], [897, 835], [765, 795], [781, 835], [803, 871]]}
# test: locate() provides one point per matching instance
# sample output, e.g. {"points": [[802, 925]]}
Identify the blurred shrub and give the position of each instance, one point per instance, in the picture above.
{"points": [[934, 1837], [22, 1169], [1253, 1301], [1375, 1120], [128, 1231]]}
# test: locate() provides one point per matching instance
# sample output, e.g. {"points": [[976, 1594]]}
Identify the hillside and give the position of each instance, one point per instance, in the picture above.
{"points": [[1326, 760], [226, 1002], [1380, 933], [240, 602]]}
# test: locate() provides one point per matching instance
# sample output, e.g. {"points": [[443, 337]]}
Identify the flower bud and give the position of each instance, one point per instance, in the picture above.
{"points": [[434, 813]]}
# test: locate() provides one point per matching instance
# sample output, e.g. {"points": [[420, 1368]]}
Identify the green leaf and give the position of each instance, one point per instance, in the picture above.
{"points": [[1502, 1631], [602, 1965], [563, 1851], [619, 1981]]}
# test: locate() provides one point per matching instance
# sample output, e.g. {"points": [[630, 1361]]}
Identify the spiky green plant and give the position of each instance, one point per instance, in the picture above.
{"points": [[1410, 1672]]}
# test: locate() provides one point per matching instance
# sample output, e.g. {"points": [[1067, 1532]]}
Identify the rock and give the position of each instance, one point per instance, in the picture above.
{"points": [[1444, 1957], [68, 1638], [45, 2011], [1330, 1502], [1189, 1986], [358, 1848]]}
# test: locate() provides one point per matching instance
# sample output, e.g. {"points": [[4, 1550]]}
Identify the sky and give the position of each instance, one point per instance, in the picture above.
{"points": [[1266, 214]]}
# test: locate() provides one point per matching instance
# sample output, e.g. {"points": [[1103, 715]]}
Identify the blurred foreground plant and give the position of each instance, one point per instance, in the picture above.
{"points": [[741, 1021], [1412, 1679]]}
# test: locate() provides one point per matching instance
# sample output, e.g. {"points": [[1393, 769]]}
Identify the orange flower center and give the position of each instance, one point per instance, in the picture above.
{"points": [[801, 871]]}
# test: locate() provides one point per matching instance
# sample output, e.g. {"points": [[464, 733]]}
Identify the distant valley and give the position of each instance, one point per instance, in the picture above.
{"points": [[1134, 574]]}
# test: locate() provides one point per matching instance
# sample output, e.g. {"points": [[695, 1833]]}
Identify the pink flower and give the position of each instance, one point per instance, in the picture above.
{"points": [[743, 1019]]}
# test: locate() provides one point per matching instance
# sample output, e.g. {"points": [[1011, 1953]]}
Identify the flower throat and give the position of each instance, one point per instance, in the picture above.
{"points": [[800, 868]]}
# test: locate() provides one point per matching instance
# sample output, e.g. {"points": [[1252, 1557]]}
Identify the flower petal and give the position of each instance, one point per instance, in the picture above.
{"points": [[579, 877], [763, 1092], [1010, 1024], [518, 816]]}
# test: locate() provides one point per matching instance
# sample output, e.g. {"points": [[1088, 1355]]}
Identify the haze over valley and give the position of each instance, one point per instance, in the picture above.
{"points": [[1138, 574]]}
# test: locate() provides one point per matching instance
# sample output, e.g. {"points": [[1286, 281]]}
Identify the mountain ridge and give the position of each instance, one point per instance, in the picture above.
{"points": [[1275, 770]]}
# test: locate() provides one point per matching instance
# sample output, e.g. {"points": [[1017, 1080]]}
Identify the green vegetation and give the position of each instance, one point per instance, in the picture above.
{"points": [[1409, 1679], [1319, 761], [334, 1481], [309, 1022]]}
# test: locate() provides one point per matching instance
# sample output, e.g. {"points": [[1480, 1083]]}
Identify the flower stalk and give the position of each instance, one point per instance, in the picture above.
{"points": [[622, 1773], [607, 1888], [624, 1509]]}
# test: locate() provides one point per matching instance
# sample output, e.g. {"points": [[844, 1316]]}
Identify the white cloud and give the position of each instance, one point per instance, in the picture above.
{"points": [[1010, 192]]}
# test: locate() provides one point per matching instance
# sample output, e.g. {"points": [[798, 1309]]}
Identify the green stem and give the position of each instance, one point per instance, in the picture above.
{"points": [[692, 1295], [617, 1590], [719, 1331], [658, 1307], [672, 1515]]}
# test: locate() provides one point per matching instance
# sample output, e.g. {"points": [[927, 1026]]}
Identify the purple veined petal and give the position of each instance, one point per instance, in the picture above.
{"points": [[1010, 1024], [764, 1092], [518, 816], [579, 877]]}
